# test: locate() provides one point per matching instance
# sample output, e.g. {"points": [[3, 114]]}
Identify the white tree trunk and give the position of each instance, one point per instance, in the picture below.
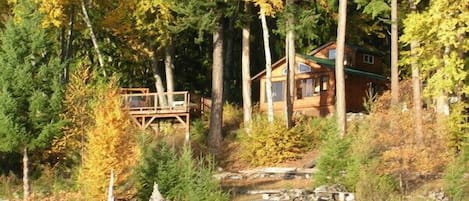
{"points": [[169, 69], [87, 20], [246, 74], [394, 55], [216, 114], [339, 68], [442, 104], [110, 193], [268, 69], [158, 81], [25, 174]]}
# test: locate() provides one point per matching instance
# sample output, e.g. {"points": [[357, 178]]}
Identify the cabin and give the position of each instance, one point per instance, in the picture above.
{"points": [[314, 93]]}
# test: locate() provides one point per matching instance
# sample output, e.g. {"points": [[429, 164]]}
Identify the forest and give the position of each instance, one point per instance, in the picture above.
{"points": [[68, 131]]}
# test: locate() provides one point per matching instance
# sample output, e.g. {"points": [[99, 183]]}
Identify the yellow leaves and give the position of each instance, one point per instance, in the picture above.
{"points": [[54, 11], [268, 7], [154, 18], [111, 145], [440, 32], [77, 114], [270, 143]]}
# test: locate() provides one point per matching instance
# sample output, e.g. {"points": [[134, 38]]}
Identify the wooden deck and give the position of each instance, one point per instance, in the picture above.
{"points": [[149, 108]]}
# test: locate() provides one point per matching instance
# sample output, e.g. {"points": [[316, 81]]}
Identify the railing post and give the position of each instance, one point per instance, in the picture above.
{"points": [[155, 97], [185, 101]]}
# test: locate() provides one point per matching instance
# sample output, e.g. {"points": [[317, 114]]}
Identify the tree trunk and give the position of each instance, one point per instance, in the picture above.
{"points": [[442, 105], [417, 94], [416, 86], [339, 68], [216, 114], [394, 55], [25, 174], [158, 81], [228, 62], [268, 69], [69, 48], [246, 73], [290, 61], [87, 20], [169, 69]]}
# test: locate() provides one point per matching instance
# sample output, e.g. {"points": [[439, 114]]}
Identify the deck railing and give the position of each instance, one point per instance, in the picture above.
{"points": [[175, 102]]}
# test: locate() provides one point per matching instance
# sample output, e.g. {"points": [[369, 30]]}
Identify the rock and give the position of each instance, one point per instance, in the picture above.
{"points": [[156, 195], [310, 164], [437, 196]]}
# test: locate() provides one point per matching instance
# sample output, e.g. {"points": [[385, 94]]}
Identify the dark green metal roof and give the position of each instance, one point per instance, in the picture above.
{"points": [[348, 69]]}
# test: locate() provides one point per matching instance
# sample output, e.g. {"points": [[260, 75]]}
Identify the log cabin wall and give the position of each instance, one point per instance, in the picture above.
{"points": [[320, 98], [321, 101]]}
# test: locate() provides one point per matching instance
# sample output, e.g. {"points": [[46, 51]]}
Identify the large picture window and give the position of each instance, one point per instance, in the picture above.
{"points": [[304, 88], [311, 86], [277, 91]]}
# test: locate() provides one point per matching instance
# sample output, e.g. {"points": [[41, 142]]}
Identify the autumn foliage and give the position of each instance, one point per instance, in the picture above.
{"points": [[77, 114], [111, 146]]}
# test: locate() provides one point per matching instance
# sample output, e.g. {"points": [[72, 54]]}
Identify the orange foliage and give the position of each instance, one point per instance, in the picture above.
{"points": [[399, 149], [77, 114], [111, 145]]}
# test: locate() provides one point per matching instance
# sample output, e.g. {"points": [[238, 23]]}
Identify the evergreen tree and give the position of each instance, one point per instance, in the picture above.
{"points": [[31, 94]]}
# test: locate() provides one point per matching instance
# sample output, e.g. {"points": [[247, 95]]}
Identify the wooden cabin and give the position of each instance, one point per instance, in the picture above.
{"points": [[315, 80]]}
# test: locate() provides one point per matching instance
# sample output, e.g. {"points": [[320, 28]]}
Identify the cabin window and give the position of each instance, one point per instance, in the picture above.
{"points": [[304, 88], [317, 86], [369, 59], [277, 91], [324, 82], [284, 71], [331, 54], [303, 68]]}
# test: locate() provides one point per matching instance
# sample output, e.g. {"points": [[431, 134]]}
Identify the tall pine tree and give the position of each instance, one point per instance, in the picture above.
{"points": [[31, 94]]}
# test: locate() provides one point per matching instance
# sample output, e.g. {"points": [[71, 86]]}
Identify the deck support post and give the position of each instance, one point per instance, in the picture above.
{"points": [[144, 108]]}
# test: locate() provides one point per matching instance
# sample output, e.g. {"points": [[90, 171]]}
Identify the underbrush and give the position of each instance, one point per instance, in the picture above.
{"points": [[381, 157], [179, 176], [269, 143]]}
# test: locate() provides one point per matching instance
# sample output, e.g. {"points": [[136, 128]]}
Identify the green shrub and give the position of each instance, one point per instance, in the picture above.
{"points": [[317, 130], [199, 132], [333, 161], [179, 177], [374, 187], [456, 185]]}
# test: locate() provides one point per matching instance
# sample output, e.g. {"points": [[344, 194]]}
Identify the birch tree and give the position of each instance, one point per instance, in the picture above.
{"points": [[339, 68], [93, 37], [246, 73], [268, 7]]}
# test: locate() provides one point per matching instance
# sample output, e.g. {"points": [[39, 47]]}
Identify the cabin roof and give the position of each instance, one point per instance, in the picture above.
{"points": [[327, 63], [372, 51]]}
